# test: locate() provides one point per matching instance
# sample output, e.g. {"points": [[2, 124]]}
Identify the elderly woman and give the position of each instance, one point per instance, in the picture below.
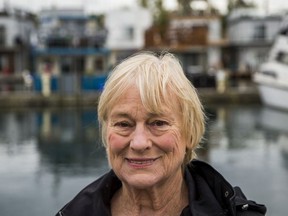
{"points": [[152, 121]]}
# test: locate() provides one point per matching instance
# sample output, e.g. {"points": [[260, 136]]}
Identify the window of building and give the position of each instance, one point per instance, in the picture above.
{"points": [[2, 35], [261, 56], [99, 65], [79, 65], [66, 65], [260, 32], [129, 33]]}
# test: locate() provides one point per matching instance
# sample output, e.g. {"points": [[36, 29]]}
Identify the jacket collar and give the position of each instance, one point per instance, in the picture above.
{"points": [[207, 187], [209, 192]]}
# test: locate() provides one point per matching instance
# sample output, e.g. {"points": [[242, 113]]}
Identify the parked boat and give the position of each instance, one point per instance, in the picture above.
{"points": [[272, 78]]}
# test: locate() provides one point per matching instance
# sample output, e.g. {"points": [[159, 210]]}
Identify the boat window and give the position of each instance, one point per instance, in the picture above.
{"points": [[270, 73], [282, 57], [283, 31]]}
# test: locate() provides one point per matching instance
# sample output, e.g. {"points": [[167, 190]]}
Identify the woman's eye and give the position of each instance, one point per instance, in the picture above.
{"points": [[159, 123], [122, 124]]}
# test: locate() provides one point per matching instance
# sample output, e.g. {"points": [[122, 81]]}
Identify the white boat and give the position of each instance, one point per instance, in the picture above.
{"points": [[272, 78]]}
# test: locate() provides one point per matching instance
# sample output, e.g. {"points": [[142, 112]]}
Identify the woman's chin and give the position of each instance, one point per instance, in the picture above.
{"points": [[142, 180]]}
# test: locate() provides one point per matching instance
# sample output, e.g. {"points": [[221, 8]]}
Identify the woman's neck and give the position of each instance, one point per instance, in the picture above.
{"points": [[166, 199]]}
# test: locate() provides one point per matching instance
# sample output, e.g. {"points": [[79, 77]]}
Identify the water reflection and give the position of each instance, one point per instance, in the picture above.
{"points": [[274, 124], [69, 140], [47, 156], [249, 146]]}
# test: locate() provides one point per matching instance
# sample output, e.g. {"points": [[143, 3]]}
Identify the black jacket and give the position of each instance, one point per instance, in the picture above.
{"points": [[209, 195]]}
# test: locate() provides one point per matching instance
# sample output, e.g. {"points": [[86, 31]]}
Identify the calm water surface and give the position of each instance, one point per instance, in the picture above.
{"points": [[47, 156]]}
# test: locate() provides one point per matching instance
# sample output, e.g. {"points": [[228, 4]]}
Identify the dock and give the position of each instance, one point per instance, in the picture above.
{"points": [[25, 99]]}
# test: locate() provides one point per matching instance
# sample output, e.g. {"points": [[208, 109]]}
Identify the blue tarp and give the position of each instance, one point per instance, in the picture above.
{"points": [[93, 82], [88, 83], [54, 85]]}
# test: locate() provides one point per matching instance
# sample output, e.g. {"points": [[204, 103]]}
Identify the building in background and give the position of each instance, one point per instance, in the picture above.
{"points": [[70, 49], [196, 39], [126, 31], [16, 29], [250, 37]]}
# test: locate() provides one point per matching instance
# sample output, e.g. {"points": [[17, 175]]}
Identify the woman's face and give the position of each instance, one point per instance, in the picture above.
{"points": [[144, 149]]}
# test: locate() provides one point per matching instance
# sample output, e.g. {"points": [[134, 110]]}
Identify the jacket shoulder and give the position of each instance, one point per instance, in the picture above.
{"points": [[93, 198], [227, 195], [245, 207]]}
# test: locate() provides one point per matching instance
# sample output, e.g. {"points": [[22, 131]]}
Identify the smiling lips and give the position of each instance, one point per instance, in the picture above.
{"points": [[140, 163]]}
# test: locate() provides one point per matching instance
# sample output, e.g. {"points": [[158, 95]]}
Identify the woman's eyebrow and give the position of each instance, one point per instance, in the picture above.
{"points": [[155, 115], [120, 115]]}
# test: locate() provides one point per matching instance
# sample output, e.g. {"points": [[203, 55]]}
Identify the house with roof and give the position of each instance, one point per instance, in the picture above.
{"points": [[70, 49], [126, 31], [195, 38], [250, 36], [16, 28]]}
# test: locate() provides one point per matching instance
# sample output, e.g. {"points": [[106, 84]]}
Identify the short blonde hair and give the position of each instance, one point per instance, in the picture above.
{"points": [[157, 78]]}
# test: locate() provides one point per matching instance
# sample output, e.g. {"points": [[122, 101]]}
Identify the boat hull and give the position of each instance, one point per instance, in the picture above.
{"points": [[274, 96]]}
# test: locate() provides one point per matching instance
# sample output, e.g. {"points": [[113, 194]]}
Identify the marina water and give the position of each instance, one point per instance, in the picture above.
{"points": [[47, 156]]}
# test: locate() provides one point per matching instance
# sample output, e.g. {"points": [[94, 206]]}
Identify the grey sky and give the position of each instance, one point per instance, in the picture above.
{"points": [[104, 5]]}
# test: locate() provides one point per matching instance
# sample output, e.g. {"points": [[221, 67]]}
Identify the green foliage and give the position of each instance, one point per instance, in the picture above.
{"points": [[184, 7], [100, 19], [143, 3], [232, 4], [161, 16]]}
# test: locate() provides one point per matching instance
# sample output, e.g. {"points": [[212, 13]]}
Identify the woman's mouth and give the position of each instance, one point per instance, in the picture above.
{"points": [[140, 162]]}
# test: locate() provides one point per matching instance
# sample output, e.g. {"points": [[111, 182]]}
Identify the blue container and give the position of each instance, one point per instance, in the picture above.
{"points": [[54, 84], [93, 82]]}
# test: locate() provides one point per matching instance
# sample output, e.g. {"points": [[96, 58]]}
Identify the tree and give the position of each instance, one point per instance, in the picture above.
{"points": [[232, 4], [184, 7], [160, 14], [143, 3], [161, 18]]}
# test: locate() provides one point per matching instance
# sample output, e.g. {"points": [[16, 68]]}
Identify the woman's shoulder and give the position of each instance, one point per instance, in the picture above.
{"points": [[231, 198], [93, 198]]}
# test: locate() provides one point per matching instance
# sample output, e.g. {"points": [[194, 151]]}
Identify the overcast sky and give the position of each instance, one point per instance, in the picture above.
{"points": [[99, 6]]}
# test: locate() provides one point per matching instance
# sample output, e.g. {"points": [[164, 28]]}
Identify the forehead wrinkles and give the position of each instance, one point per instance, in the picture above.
{"points": [[139, 99], [127, 110], [160, 104], [128, 107]]}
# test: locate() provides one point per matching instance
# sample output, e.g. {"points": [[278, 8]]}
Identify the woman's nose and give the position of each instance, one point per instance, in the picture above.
{"points": [[140, 139]]}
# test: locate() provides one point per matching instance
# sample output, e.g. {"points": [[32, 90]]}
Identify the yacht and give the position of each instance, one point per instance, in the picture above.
{"points": [[272, 77]]}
